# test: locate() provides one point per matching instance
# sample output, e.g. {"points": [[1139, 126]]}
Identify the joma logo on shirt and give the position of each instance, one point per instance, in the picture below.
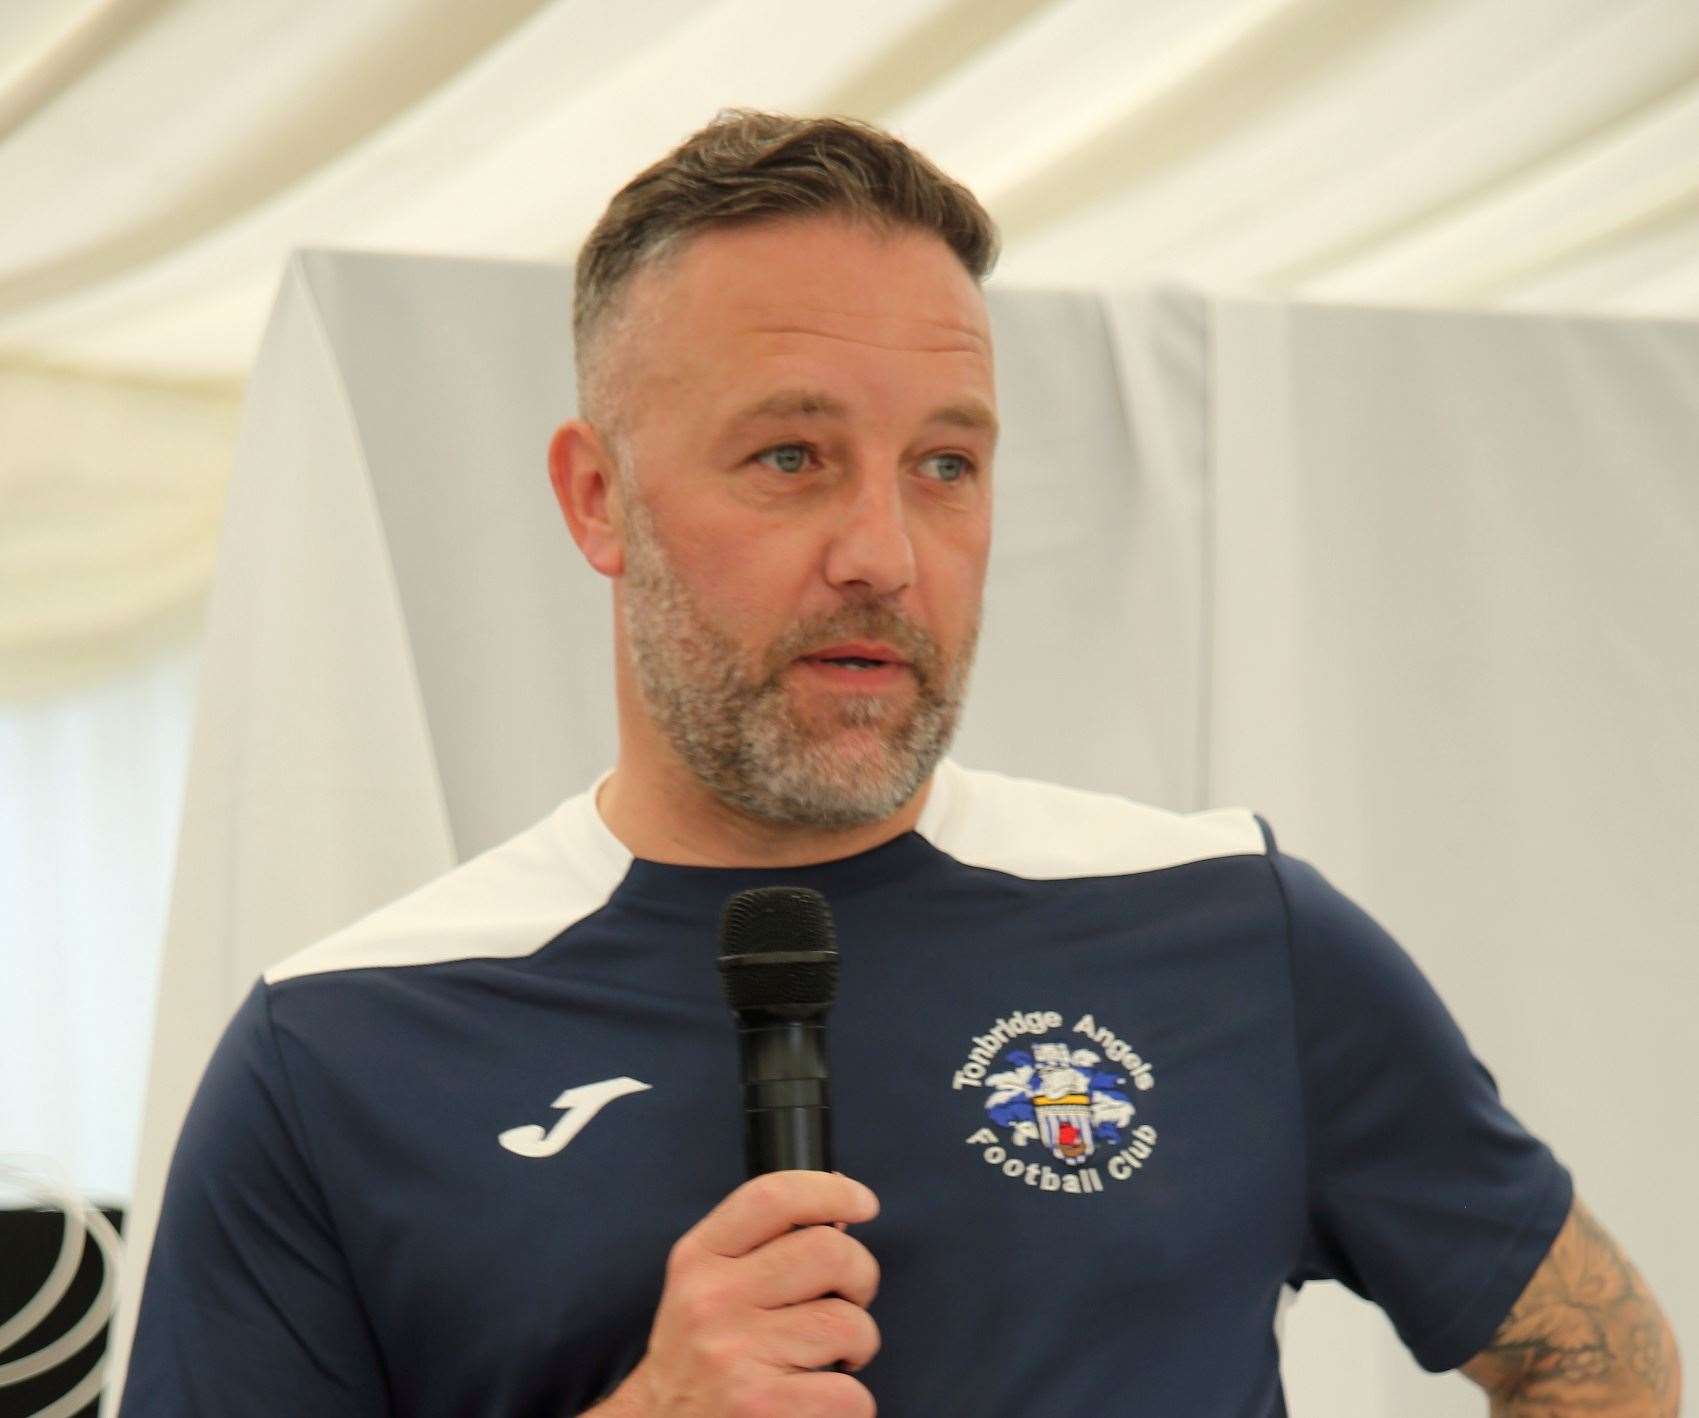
{"points": [[581, 1103]]}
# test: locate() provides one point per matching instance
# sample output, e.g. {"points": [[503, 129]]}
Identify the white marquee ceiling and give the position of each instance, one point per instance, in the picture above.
{"points": [[159, 159]]}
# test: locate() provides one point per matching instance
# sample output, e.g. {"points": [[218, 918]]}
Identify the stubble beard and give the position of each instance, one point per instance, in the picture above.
{"points": [[853, 760]]}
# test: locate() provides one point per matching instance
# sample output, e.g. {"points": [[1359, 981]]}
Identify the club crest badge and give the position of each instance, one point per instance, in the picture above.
{"points": [[1056, 1108]]}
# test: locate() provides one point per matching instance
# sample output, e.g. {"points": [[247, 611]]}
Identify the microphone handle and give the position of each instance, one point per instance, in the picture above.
{"points": [[787, 1106]]}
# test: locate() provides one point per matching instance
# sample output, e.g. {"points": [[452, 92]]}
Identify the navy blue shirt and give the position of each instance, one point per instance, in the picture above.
{"points": [[1119, 1076]]}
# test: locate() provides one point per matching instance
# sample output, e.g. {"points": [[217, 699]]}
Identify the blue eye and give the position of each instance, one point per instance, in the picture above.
{"points": [[963, 459], [784, 448], [967, 464]]}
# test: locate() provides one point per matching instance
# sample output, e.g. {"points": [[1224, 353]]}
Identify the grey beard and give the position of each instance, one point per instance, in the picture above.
{"points": [[742, 739]]}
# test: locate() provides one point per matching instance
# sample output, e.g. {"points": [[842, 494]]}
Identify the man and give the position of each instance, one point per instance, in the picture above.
{"points": [[1106, 1078]]}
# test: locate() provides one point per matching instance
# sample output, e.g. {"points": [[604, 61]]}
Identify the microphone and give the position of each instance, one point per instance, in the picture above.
{"points": [[779, 969]]}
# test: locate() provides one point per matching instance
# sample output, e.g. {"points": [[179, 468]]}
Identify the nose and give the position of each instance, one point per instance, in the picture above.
{"points": [[870, 549]]}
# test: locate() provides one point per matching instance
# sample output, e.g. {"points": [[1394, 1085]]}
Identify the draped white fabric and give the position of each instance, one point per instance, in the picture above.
{"points": [[1452, 660], [1408, 583], [91, 787], [159, 160], [111, 493]]}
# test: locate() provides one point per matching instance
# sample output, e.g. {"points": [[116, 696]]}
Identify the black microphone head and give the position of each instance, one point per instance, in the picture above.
{"points": [[779, 952]]}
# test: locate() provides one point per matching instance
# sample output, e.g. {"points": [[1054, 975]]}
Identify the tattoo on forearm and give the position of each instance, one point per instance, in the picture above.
{"points": [[1586, 1337]]}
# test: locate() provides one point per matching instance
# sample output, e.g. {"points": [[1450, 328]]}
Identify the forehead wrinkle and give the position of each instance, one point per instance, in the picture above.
{"points": [[969, 413], [978, 342]]}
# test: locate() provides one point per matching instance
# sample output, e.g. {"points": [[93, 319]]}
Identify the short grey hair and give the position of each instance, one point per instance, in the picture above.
{"points": [[745, 167]]}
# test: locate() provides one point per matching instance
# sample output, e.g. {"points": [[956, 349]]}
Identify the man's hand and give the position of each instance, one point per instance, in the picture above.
{"points": [[753, 1307]]}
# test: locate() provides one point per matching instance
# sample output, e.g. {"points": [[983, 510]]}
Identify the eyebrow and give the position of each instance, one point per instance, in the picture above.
{"points": [[968, 414]]}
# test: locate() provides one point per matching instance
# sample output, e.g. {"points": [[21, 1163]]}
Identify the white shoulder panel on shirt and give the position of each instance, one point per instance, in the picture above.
{"points": [[1044, 831], [502, 904], [515, 898]]}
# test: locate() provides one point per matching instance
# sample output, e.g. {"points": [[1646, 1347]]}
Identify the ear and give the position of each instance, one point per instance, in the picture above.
{"points": [[583, 478]]}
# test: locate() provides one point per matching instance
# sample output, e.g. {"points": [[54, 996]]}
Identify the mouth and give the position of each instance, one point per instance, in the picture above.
{"points": [[854, 671], [867, 653], [850, 662]]}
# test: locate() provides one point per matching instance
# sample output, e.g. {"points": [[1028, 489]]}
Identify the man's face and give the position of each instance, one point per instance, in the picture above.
{"points": [[756, 540]]}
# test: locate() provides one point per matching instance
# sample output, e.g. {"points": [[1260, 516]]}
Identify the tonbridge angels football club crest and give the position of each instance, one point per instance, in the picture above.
{"points": [[1055, 1098]]}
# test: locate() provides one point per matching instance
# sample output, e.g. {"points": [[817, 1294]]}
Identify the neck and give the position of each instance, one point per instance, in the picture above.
{"points": [[660, 812]]}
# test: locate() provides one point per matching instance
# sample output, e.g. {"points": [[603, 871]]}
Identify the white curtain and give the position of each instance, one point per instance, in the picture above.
{"points": [[91, 790], [1410, 584]]}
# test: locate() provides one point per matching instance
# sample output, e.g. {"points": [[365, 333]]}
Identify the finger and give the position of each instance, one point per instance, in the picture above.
{"points": [[819, 1333], [770, 1205], [825, 1395], [807, 1263]]}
